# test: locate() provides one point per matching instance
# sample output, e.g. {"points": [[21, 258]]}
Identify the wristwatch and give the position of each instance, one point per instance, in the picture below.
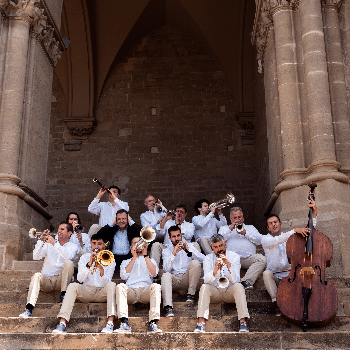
{"points": [[87, 265]]}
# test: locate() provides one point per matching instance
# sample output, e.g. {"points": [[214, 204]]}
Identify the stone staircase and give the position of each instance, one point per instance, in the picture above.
{"points": [[267, 331]]}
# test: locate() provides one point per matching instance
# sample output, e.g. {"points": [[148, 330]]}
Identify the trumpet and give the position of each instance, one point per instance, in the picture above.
{"points": [[34, 234], [78, 229], [239, 227], [223, 281], [159, 209], [99, 183], [148, 234], [104, 258], [225, 202]]}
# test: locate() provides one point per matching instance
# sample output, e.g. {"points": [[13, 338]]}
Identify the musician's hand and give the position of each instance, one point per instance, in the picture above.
{"points": [[302, 231], [212, 208], [218, 264], [49, 239], [159, 202], [312, 204], [129, 218], [232, 227], [92, 257], [177, 248], [100, 193], [225, 260], [168, 216], [80, 238], [134, 252]]}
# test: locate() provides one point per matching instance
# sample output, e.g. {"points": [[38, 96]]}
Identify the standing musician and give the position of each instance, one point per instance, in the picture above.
{"points": [[182, 269], [221, 263], [107, 210], [243, 242], [162, 228], [274, 244], [138, 272], [58, 267], [96, 287], [151, 218], [120, 235], [206, 224]]}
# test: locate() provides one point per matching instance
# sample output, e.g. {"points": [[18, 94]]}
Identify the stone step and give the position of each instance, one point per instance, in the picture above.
{"points": [[230, 323], [27, 265], [179, 340]]}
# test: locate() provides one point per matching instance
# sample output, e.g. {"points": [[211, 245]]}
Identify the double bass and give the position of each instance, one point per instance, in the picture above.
{"points": [[305, 296]]}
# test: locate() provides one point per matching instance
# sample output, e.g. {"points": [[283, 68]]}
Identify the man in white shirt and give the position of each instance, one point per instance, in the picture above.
{"points": [[274, 244], [138, 272], [97, 287], [58, 267], [221, 263], [206, 225], [243, 242], [162, 228], [182, 269], [151, 218], [107, 210]]}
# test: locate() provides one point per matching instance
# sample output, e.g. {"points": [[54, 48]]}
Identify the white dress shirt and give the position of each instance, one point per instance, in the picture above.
{"points": [[244, 246], [55, 256], [233, 274], [121, 244], [151, 219], [106, 211], [93, 279], [275, 252], [206, 226], [85, 238], [187, 229], [139, 275], [178, 263]]}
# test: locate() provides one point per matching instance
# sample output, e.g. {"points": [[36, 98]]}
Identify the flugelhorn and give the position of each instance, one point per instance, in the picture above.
{"points": [[99, 183], [34, 234], [104, 258], [223, 281], [148, 234], [225, 202]]}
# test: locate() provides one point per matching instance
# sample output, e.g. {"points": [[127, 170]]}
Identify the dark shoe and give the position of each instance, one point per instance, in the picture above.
{"points": [[275, 309], [246, 285], [243, 327], [169, 312], [26, 314], [124, 328], [189, 299], [152, 328], [61, 298]]}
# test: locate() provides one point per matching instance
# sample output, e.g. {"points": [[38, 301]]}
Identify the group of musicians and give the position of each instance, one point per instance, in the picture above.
{"points": [[178, 246]]}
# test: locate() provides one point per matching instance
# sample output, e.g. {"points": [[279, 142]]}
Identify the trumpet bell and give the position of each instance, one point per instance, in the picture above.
{"points": [[105, 258], [158, 209], [148, 234], [225, 202]]}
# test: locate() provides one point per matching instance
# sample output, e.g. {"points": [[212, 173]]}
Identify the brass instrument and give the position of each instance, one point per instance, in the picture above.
{"points": [[78, 229], [225, 202], [104, 258], [99, 183], [159, 209], [223, 281], [34, 234], [148, 234], [239, 227]]}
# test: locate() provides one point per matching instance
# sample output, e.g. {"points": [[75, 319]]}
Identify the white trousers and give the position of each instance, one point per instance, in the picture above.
{"points": [[271, 282], [59, 283], [149, 294], [255, 265]]}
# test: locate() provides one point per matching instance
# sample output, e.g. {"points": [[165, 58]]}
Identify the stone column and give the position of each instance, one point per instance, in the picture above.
{"points": [[292, 149], [339, 105]]}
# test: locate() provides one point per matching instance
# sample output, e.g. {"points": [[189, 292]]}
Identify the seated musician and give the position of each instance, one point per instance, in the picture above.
{"points": [[206, 224], [107, 210], [97, 286], [120, 235], [243, 242], [151, 218], [221, 262], [274, 244], [138, 272], [180, 270], [58, 267], [162, 228]]}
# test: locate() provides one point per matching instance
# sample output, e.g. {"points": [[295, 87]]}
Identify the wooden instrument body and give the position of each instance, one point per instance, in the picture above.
{"points": [[308, 271]]}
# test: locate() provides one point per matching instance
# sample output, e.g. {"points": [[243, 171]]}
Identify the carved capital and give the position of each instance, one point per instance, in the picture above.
{"points": [[80, 128], [334, 4]]}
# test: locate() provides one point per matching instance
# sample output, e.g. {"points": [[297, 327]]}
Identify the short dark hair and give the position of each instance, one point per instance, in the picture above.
{"points": [[216, 238], [199, 204], [116, 187], [73, 212], [183, 206], [173, 229], [97, 236], [272, 216], [121, 211], [68, 226]]}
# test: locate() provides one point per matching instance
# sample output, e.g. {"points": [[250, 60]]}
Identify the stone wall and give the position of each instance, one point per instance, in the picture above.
{"points": [[165, 124]]}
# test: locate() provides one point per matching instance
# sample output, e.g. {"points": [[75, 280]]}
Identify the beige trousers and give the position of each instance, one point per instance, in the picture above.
{"points": [[188, 280], [59, 283], [232, 294], [271, 282], [205, 244], [157, 248], [88, 294], [149, 294], [255, 265]]}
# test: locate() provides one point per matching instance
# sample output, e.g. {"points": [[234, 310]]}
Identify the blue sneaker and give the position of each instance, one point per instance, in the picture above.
{"points": [[169, 311], [61, 328], [152, 328], [189, 299], [124, 328], [108, 328], [200, 328], [243, 327], [26, 314]]}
